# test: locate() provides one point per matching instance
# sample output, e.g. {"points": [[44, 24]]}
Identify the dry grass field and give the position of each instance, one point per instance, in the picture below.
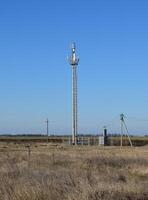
{"points": [[73, 173]]}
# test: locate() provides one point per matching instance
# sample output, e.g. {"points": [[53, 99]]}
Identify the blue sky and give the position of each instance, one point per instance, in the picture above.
{"points": [[35, 78]]}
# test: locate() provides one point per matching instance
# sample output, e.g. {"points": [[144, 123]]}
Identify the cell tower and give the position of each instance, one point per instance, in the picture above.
{"points": [[73, 61], [123, 125]]}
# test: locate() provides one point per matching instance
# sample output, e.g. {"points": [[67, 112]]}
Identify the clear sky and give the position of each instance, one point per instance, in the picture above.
{"points": [[35, 78]]}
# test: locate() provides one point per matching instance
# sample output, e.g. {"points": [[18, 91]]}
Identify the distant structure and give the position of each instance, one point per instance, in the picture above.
{"points": [[73, 61], [123, 125], [104, 131], [105, 135], [103, 138]]}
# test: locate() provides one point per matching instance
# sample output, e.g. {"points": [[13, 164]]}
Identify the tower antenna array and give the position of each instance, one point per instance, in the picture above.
{"points": [[123, 125], [73, 61]]}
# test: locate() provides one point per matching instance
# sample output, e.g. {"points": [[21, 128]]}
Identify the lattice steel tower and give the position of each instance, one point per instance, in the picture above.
{"points": [[73, 61]]}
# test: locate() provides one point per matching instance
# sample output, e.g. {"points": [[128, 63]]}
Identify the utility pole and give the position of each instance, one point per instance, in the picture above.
{"points": [[121, 120], [47, 123], [73, 61], [123, 125]]}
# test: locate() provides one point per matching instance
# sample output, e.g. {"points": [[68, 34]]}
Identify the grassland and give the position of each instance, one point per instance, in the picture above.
{"points": [[55, 172], [87, 140], [136, 141]]}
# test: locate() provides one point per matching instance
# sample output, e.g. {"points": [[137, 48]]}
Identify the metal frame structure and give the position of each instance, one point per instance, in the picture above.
{"points": [[73, 61]]}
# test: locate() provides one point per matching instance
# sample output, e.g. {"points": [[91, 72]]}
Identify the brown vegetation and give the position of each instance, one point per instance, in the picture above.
{"points": [[73, 173]]}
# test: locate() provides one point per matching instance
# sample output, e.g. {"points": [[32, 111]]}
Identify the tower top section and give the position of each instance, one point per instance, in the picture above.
{"points": [[73, 60]]}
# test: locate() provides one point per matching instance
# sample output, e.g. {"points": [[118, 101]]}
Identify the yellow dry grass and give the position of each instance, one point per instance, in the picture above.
{"points": [[73, 173]]}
